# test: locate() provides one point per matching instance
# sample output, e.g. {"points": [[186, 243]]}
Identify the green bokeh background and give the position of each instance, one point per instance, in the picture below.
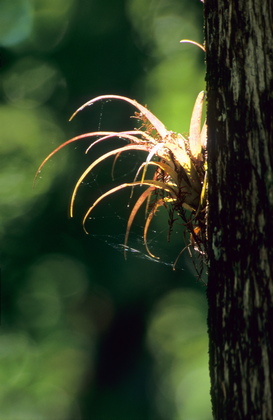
{"points": [[84, 333]]}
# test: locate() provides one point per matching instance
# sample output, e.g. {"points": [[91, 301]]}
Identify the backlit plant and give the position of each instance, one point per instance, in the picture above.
{"points": [[178, 164]]}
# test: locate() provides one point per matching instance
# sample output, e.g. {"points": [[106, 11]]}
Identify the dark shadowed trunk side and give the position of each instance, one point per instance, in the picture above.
{"points": [[239, 44]]}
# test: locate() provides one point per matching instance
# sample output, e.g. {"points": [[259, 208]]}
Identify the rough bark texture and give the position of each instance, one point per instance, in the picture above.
{"points": [[239, 44]]}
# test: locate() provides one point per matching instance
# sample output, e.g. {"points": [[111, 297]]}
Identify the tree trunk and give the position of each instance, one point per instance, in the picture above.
{"points": [[239, 47]]}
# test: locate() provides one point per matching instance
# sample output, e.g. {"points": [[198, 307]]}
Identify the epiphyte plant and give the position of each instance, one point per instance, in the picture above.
{"points": [[178, 164]]}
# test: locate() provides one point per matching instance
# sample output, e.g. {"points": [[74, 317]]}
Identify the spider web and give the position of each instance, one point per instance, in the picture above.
{"points": [[108, 222], [176, 254]]}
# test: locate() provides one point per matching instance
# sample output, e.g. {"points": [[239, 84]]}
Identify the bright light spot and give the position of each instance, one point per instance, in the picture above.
{"points": [[16, 20], [177, 337], [30, 82]]}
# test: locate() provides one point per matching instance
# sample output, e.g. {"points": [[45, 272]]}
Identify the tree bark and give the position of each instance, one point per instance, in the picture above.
{"points": [[239, 49]]}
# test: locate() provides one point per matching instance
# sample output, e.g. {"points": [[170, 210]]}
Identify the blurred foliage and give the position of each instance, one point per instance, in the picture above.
{"points": [[84, 333]]}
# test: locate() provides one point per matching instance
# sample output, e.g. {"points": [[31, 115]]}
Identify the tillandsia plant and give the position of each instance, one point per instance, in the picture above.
{"points": [[178, 163]]}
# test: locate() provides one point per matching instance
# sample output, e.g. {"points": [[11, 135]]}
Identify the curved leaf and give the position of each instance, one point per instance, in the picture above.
{"points": [[96, 162], [133, 213], [158, 125], [159, 203], [149, 183]]}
